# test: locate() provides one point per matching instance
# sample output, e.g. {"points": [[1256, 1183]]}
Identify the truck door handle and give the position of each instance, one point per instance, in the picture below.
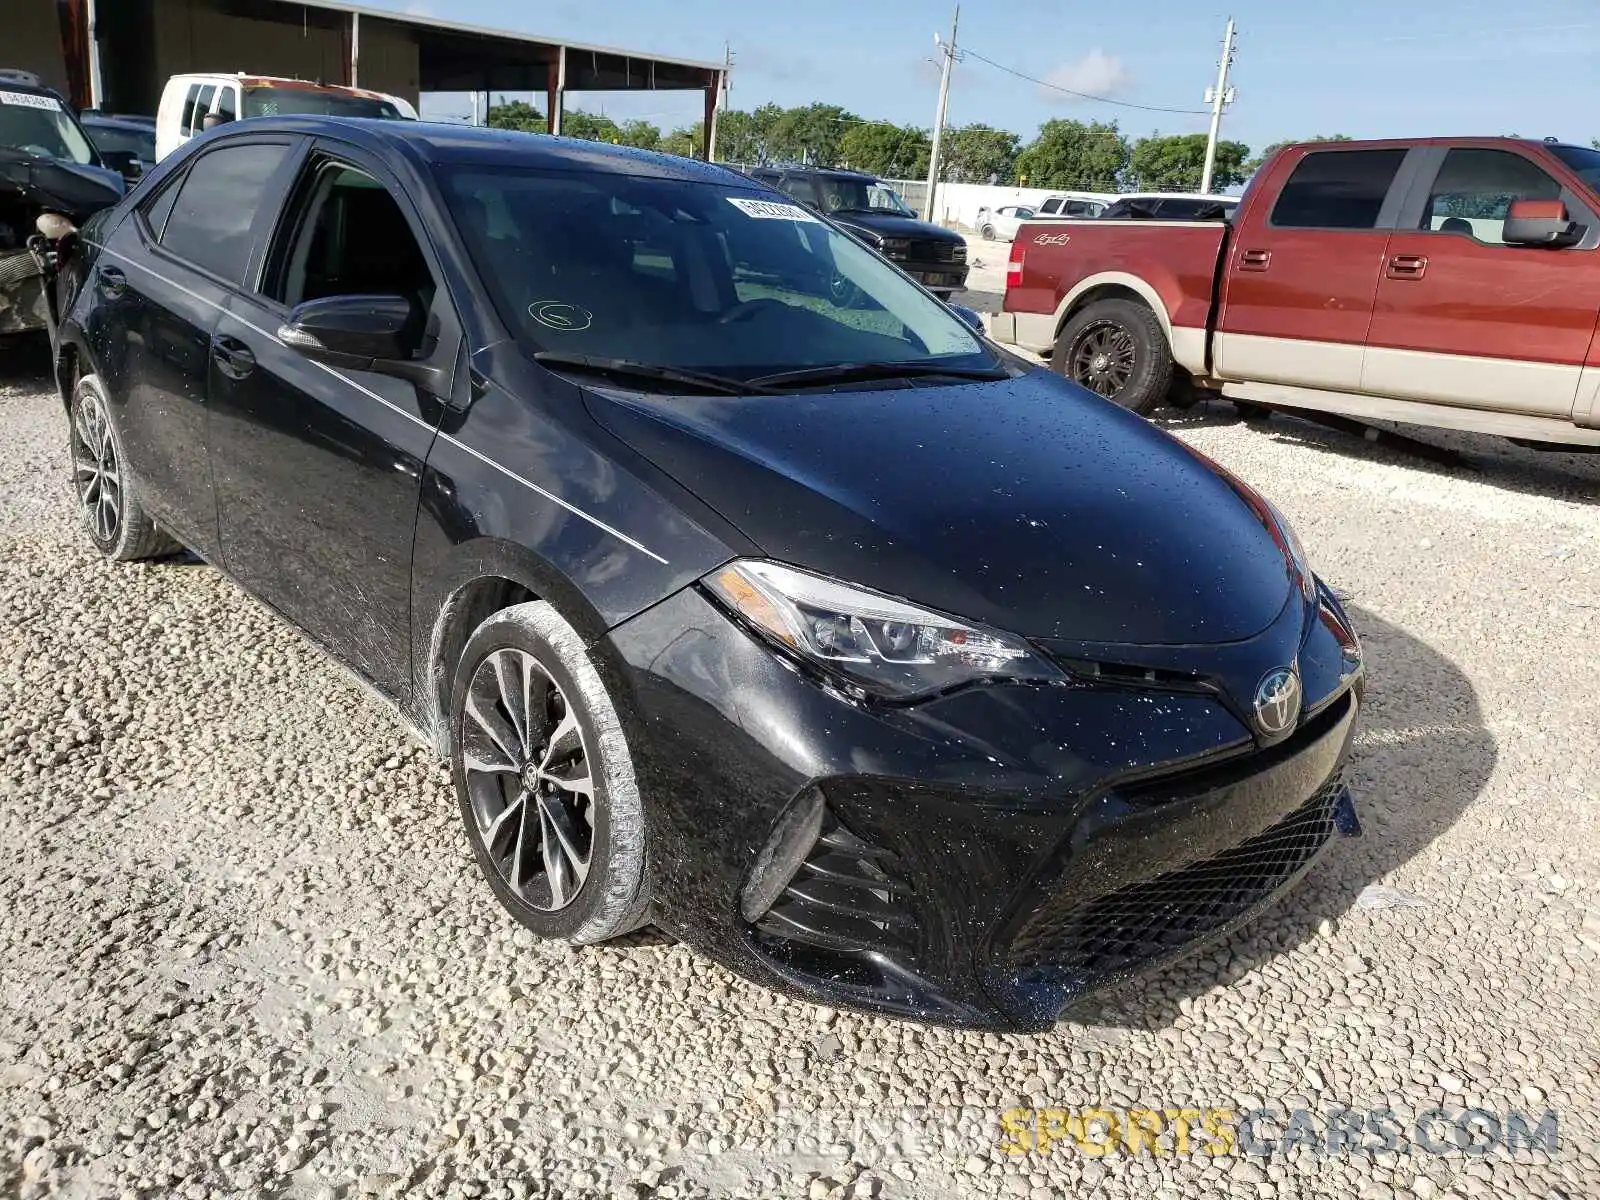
{"points": [[233, 357], [1407, 266], [1254, 260], [112, 282]]}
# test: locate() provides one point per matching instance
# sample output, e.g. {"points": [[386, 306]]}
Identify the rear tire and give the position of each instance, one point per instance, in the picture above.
{"points": [[545, 779], [108, 498], [988, 233], [1118, 350]]}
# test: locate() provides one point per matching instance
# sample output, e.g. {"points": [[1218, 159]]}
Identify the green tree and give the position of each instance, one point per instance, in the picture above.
{"points": [[880, 148], [1177, 163], [588, 126], [688, 142], [810, 134], [641, 134], [516, 114], [742, 137], [1071, 154], [976, 153], [1254, 164]]}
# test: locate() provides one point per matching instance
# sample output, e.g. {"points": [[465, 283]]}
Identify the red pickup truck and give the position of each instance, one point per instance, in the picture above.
{"points": [[1450, 282]]}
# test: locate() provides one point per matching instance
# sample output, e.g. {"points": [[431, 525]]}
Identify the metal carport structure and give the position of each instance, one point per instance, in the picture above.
{"points": [[116, 54]]}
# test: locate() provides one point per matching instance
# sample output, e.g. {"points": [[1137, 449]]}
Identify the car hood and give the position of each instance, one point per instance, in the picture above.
{"points": [[1027, 504], [892, 225], [79, 191]]}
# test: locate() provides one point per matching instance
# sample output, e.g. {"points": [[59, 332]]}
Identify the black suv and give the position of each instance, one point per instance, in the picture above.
{"points": [[870, 209]]}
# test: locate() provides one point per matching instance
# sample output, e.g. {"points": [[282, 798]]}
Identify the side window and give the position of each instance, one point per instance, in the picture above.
{"points": [[201, 107], [1050, 207], [158, 207], [216, 207], [191, 102], [228, 103], [1474, 189], [348, 237], [801, 189], [1337, 189]]}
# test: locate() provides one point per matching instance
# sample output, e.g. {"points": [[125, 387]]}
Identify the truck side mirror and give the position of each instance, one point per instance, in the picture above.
{"points": [[1540, 223]]}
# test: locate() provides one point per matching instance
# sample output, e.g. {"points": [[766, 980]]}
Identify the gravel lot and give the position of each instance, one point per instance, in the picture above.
{"points": [[243, 950]]}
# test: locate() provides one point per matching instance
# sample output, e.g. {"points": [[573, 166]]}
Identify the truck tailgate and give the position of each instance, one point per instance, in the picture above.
{"points": [[1173, 262]]}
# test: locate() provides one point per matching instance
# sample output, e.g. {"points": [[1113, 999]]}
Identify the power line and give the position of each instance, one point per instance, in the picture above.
{"points": [[1056, 87]]}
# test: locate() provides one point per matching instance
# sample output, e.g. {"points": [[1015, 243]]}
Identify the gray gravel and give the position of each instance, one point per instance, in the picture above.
{"points": [[243, 950]]}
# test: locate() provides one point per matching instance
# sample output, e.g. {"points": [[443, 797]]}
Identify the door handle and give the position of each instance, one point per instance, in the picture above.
{"points": [[233, 358], [1254, 260], [1407, 266], [112, 282]]}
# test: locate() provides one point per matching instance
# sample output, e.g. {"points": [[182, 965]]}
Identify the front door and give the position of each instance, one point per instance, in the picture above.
{"points": [[1461, 317], [318, 471], [164, 277], [1301, 278]]}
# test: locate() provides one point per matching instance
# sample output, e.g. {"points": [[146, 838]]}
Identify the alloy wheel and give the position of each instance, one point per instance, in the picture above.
{"points": [[529, 780], [1103, 358], [95, 471]]}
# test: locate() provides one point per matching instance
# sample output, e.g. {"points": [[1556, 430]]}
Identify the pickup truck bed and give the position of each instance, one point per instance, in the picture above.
{"points": [[1450, 282]]}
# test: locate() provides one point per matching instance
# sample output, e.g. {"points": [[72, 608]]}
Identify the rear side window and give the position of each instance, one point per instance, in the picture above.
{"points": [[227, 107], [191, 103], [1337, 189], [216, 207], [1475, 188], [158, 208], [1050, 206]]}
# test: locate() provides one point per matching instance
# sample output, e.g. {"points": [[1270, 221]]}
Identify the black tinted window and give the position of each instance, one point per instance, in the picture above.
{"points": [[1337, 189], [210, 224], [159, 207]]}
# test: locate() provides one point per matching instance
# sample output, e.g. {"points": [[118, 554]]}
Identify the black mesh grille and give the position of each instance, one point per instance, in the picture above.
{"points": [[938, 252], [1161, 916], [846, 896]]}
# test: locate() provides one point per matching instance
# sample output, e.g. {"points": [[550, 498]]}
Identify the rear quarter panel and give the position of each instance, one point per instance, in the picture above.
{"points": [[1175, 262]]}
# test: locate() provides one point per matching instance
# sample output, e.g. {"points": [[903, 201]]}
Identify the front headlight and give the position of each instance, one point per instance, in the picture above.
{"points": [[876, 644], [895, 247]]}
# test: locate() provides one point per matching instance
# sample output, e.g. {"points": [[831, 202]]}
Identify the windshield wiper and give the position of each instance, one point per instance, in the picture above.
{"points": [[628, 368], [850, 372]]}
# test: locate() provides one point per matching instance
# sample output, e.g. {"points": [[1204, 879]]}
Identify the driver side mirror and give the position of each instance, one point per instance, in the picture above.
{"points": [[1540, 223], [383, 334]]}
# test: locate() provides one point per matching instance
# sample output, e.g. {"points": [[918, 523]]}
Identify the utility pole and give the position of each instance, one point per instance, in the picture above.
{"points": [[1218, 96], [938, 121]]}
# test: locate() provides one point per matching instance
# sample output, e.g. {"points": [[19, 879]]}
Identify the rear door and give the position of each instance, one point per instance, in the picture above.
{"points": [[1461, 317], [162, 282], [318, 471], [1302, 274]]}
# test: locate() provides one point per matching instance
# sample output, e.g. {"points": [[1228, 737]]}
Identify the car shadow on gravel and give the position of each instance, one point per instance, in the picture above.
{"points": [[1498, 462], [1422, 756]]}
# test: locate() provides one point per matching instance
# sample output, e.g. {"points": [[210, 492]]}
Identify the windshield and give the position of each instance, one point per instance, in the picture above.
{"points": [[693, 276], [885, 197], [141, 143], [277, 101], [40, 126], [1584, 162], [841, 193]]}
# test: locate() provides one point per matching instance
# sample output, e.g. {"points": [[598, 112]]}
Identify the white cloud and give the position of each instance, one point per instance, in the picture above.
{"points": [[1095, 74]]}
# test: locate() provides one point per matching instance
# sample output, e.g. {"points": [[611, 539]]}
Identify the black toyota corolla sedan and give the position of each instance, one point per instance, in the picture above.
{"points": [[882, 667]]}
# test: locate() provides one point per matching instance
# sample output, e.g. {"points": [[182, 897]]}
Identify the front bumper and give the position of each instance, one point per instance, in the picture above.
{"points": [[983, 859], [940, 277]]}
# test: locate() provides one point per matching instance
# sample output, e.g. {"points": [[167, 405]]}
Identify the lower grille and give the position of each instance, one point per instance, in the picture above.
{"points": [[1161, 916], [15, 266], [844, 897], [938, 252]]}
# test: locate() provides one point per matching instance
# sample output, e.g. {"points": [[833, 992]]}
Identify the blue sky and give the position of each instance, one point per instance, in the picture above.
{"points": [[1363, 67]]}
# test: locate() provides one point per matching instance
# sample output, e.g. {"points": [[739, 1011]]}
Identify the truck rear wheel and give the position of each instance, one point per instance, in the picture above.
{"points": [[1116, 349]]}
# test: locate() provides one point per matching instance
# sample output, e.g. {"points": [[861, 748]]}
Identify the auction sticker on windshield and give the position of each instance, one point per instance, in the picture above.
{"points": [[771, 210], [27, 100]]}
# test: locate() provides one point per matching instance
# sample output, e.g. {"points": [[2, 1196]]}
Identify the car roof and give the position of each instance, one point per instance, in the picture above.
{"points": [[131, 124], [439, 143], [1178, 196], [26, 81], [245, 79]]}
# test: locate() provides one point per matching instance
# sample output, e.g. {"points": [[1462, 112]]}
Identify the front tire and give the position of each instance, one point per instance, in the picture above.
{"points": [[545, 779], [108, 500], [988, 233], [1118, 350]]}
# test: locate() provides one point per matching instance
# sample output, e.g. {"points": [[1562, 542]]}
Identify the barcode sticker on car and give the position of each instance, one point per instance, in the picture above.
{"points": [[28, 100], [771, 210]]}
